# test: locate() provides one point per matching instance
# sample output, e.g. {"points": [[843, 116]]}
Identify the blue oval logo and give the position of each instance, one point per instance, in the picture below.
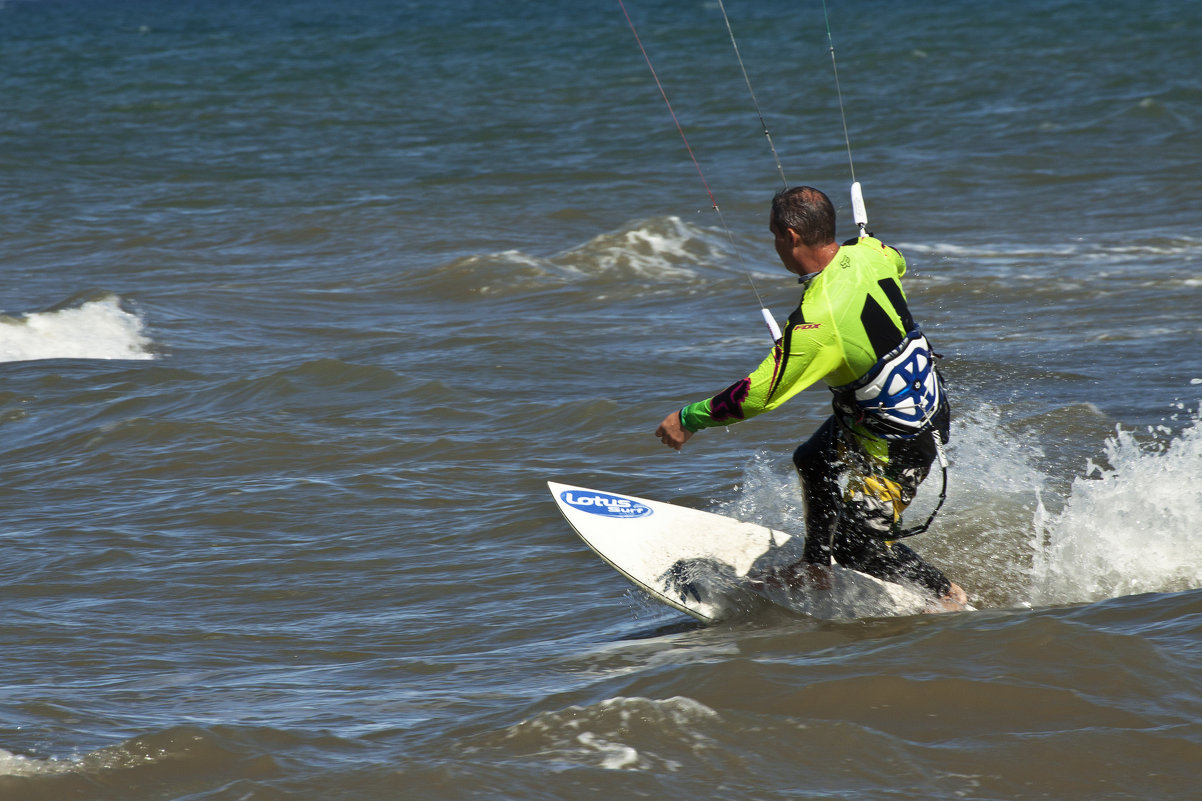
{"points": [[604, 504]]}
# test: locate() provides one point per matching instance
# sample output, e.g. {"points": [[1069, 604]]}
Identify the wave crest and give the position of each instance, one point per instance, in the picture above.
{"points": [[663, 250], [94, 328]]}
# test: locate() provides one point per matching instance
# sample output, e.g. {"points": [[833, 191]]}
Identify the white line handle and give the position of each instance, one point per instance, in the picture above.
{"points": [[772, 326], [858, 210]]}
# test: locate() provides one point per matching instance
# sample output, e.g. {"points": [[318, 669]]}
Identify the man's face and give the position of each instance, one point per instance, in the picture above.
{"points": [[785, 241]]}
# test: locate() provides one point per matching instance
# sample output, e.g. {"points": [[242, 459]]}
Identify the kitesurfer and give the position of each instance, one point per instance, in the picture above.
{"points": [[853, 331]]}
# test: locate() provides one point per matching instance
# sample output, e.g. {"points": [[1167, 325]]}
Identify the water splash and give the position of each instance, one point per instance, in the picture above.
{"points": [[1129, 525], [1015, 533], [94, 329]]}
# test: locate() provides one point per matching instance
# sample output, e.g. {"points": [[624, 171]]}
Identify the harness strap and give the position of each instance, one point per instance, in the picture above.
{"points": [[902, 533], [899, 396]]}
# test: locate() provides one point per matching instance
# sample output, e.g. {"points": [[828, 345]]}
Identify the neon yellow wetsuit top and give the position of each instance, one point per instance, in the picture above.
{"points": [[852, 315]]}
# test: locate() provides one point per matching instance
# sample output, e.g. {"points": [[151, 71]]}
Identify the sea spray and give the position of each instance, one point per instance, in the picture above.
{"points": [[981, 538], [1129, 525], [1012, 537], [94, 329]]}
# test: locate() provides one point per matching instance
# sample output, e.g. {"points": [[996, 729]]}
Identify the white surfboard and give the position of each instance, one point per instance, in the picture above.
{"points": [[708, 566]]}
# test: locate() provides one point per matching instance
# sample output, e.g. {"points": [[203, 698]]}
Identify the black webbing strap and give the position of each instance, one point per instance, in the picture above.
{"points": [[901, 533]]}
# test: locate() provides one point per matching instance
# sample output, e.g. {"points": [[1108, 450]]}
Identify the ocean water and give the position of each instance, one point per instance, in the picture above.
{"points": [[303, 303]]}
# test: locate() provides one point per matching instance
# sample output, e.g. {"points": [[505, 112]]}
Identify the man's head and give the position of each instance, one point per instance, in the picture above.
{"points": [[806, 210], [803, 224]]}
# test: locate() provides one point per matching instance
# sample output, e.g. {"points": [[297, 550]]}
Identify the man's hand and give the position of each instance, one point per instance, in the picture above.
{"points": [[672, 433]]}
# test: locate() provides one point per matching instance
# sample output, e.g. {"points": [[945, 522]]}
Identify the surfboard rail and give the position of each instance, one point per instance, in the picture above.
{"points": [[714, 567]]}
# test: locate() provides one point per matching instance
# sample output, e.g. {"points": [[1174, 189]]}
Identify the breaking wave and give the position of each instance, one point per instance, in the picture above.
{"points": [[97, 328]]}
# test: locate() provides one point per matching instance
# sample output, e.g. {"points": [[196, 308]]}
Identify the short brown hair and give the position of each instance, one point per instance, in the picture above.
{"points": [[806, 210]]}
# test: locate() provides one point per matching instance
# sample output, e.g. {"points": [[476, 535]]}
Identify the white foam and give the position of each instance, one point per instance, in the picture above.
{"points": [[1019, 535], [119, 757], [96, 329], [598, 734], [1172, 247], [660, 249], [17, 765], [1129, 526], [985, 253], [614, 756]]}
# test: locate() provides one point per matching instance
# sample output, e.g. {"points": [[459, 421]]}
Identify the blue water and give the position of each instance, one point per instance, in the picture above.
{"points": [[304, 304]]}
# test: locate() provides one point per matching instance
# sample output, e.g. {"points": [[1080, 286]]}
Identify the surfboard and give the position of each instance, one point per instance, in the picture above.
{"points": [[713, 567]]}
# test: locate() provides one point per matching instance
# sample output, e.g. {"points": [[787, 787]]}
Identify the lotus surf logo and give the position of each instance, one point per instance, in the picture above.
{"points": [[604, 504]]}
